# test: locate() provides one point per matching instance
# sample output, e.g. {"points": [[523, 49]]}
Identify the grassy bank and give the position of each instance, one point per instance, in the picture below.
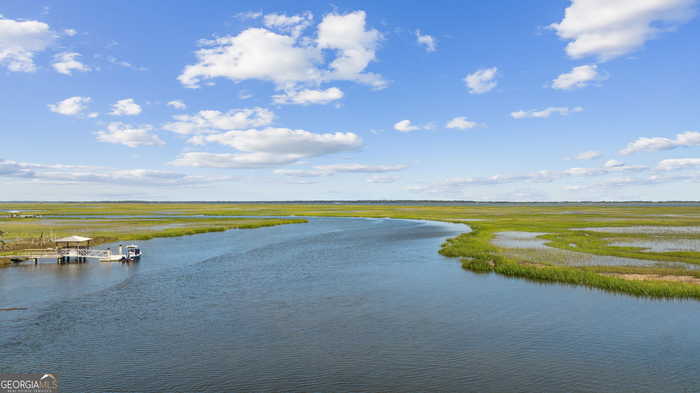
{"points": [[566, 228], [21, 234]]}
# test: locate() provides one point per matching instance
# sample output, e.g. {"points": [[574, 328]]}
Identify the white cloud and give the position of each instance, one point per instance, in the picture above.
{"points": [[65, 63], [481, 81], [286, 141], [177, 104], [328, 170], [406, 126], [382, 179], [125, 107], [294, 24], [604, 170], [211, 121], [132, 136], [613, 164], [268, 147], [360, 168], [685, 139], [461, 123], [85, 174], [232, 160], [678, 163], [302, 172], [587, 155], [618, 183], [249, 15], [545, 113], [121, 63], [309, 96], [426, 40], [288, 60], [577, 78], [254, 54], [354, 45], [70, 32], [20, 41], [608, 29], [544, 176], [70, 106]]}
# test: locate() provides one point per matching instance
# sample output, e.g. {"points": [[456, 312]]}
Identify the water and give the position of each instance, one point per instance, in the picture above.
{"points": [[645, 229], [526, 246], [662, 245], [334, 305], [516, 239]]}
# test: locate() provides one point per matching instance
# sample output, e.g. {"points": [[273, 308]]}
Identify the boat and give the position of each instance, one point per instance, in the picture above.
{"points": [[113, 258], [130, 253], [133, 253]]}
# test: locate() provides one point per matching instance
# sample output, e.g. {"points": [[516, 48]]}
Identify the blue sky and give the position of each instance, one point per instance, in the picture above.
{"points": [[505, 100]]}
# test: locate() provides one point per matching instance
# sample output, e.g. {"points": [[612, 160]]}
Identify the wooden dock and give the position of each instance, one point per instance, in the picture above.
{"points": [[61, 255]]}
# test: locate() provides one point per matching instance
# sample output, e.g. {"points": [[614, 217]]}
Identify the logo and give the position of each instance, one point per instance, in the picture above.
{"points": [[28, 383]]}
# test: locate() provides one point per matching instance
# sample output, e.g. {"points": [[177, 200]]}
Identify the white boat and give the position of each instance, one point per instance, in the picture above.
{"points": [[113, 258], [130, 253], [133, 253]]}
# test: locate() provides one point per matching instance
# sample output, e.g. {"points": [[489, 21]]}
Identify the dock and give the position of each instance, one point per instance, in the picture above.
{"points": [[76, 248]]}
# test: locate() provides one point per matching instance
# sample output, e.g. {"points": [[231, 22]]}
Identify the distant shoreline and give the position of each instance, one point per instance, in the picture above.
{"points": [[381, 202]]}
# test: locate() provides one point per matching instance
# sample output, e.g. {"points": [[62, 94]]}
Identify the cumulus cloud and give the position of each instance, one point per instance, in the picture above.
{"points": [[287, 141], [427, 41], [177, 104], [289, 59], [309, 96], [587, 155], [406, 126], [211, 121], [482, 81], [20, 41], [678, 163], [545, 113], [72, 106], [70, 32], [577, 78], [125, 107], [685, 139], [461, 123], [608, 29], [268, 147], [65, 63], [128, 135]]}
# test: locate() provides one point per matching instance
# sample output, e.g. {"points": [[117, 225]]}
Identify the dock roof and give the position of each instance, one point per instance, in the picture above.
{"points": [[73, 239]]}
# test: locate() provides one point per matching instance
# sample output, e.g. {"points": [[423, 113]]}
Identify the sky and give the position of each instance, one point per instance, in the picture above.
{"points": [[571, 100]]}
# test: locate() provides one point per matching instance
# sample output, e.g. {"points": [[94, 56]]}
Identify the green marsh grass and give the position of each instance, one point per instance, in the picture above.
{"points": [[562, 224]]}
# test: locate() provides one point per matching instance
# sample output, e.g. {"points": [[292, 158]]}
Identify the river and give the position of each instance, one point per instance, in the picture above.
{"points": [[335, 305]]}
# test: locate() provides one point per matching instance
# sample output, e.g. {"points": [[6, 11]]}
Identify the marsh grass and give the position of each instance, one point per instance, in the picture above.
{"points": [[567, 227], [38, 233]]}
